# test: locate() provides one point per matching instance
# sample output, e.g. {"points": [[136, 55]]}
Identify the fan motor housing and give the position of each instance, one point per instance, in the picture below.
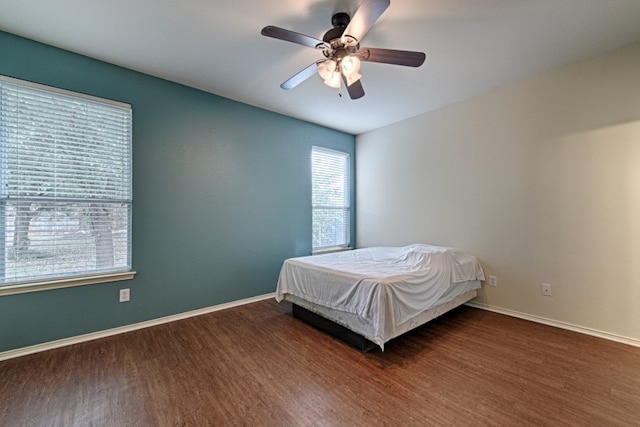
{"points": [[339, 21]]}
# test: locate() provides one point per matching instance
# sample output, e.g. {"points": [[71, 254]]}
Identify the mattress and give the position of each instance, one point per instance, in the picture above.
{"points": [[380, 292]]}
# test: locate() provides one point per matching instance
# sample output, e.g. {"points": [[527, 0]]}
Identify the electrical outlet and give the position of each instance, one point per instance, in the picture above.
{"points": [[493, 281], [125, 295], [545, 288]]}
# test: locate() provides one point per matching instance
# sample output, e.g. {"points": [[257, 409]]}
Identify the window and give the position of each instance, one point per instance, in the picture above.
{"points": [[330, 198], [65, 185]]}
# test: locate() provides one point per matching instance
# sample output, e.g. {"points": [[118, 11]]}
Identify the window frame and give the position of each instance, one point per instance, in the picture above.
{"points": [[345, 207], [88, 276]]}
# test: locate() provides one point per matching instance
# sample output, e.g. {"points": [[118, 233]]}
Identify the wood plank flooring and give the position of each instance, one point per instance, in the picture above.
{"points": [[256, 365]]}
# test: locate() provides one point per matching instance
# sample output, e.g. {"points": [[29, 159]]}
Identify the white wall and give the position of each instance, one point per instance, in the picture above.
{"points": [[540, 180]]}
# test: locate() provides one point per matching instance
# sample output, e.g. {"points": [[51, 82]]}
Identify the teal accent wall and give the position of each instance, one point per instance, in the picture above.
{"points": [[221, 196]]}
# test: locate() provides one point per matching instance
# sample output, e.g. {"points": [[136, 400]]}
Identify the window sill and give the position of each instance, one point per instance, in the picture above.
{"points": [[330, 250], [65, 283]]}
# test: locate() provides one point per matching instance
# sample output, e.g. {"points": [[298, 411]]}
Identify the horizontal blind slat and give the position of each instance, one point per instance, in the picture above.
{"points": [[65, 197], [330, 197]]}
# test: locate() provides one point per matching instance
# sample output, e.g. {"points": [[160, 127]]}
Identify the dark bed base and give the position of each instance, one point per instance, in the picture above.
{"points": [[333, 329]]}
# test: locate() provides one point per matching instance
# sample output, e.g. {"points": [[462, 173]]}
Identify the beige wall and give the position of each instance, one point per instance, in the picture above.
{"points": [[540, 180]]}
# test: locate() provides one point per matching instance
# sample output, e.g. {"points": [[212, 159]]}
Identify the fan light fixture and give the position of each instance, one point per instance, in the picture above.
{"points": [[350, 65], [327, 69], [333, 81], [331, 70]]}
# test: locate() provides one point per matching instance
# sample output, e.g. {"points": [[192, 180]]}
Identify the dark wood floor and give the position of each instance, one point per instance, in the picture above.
{"points": [[256, 365]]}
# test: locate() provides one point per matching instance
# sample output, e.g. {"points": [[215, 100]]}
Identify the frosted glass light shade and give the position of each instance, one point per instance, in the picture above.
{"points": [[327, 69], [333, 81], [350, 65]]}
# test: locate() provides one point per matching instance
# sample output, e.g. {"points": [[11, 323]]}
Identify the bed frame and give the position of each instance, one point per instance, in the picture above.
{"points": [[353, 329], [332, 328]]}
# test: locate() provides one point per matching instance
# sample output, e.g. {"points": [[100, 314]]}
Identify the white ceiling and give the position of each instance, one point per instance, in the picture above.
{"points": [[472, 46]]}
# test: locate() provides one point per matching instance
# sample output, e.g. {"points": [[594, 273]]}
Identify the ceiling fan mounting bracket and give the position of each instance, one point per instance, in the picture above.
{"points": [[340, 20]]}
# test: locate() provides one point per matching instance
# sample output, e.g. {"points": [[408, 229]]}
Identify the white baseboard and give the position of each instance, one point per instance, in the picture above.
{"points": [[557, 324], [10, 354]]}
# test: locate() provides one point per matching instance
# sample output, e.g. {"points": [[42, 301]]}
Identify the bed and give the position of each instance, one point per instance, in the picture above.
{"points": [[369, 296]]}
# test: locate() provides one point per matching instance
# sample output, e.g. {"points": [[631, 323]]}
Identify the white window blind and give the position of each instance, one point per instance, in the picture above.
{"points": [[65, 175], [330, 198]]}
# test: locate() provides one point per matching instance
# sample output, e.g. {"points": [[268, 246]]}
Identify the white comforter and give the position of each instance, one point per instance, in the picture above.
{"points": [[386, 285]]}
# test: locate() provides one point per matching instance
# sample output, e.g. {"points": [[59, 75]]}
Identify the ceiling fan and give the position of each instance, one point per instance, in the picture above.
{"points": [[342, 52]]}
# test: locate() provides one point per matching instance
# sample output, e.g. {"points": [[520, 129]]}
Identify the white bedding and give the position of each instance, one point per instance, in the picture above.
{"points": [[386, 286]]}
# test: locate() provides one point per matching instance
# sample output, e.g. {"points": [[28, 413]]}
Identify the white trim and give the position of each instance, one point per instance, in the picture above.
{"points": [[331, 250], [562, 325], [65, 283], [10, 354]]}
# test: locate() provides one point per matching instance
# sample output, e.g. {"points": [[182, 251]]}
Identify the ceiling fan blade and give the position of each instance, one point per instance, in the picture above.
{"points": [[363, 19], [392, 56], [355, 90], [293, 37], [301, 76]]}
